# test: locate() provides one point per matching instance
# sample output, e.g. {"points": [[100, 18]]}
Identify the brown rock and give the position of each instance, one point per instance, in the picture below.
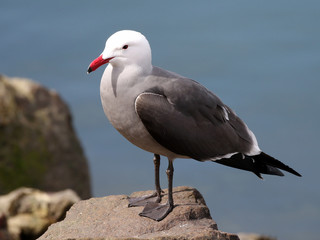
{"points": [[38, 145], [110, 218]]}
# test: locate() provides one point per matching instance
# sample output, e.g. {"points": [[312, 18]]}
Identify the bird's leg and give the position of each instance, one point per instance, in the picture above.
{"points": [[156, 196], [170, 183], [157, 211], [156, 161]]}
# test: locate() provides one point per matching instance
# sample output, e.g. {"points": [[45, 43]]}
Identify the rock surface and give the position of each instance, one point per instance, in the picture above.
{"points": [[38, 145], [27, 213], [110, 218]]}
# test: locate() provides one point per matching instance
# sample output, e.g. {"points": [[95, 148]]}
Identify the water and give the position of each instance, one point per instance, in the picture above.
{"points": [[261, 57]]}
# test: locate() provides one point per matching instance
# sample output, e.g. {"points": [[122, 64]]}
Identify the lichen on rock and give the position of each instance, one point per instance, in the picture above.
{"points": [[38, 145]]}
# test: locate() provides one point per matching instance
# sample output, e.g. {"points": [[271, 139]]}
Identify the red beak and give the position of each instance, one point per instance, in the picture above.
{"points": [[99, 61]]}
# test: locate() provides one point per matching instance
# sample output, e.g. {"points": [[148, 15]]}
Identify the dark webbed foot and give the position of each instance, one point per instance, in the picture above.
{"points": [[156, 196], [153, 209], [156, 211], [144, 200]]}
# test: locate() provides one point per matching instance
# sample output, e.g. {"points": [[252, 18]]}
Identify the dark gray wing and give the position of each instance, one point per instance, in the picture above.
{"points": [[189, 120]]}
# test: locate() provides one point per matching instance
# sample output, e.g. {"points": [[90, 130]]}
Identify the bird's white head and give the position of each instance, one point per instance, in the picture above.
{"points": [[124, 48]]}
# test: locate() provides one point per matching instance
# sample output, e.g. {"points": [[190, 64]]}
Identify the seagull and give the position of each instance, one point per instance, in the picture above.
{"points": [[170, 115]]}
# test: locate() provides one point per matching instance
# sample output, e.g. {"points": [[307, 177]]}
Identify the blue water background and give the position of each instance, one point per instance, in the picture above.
{"points": [[262, 58]]}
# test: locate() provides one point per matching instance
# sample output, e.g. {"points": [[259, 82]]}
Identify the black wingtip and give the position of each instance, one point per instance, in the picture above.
{"points": [[89, 70], [258, 164], [276, 163], [297, 174]]}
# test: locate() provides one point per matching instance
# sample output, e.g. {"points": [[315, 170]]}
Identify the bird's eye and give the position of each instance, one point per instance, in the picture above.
{"points": [[125, 47]]}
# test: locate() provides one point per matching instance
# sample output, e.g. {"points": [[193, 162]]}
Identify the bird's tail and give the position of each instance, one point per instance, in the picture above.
{"points": [[258, 164]]}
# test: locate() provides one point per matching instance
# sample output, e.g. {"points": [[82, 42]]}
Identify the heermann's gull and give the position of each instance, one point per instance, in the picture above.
{"points": [[170, 115]]}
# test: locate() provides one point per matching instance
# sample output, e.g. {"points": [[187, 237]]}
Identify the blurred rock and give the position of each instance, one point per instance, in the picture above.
{"points": [[110, 218], [39, 147], [27, 213], [254, 236], [4, 234]]}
